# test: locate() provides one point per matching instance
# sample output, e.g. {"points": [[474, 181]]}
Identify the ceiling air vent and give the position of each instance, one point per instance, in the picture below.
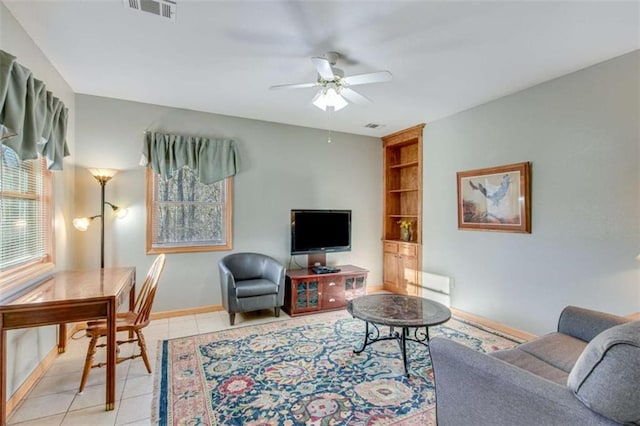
{"points": [[163, 8], [373, 126]]}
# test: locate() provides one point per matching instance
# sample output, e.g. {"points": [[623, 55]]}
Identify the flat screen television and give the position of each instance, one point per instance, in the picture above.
{"points": [[320, 231]]}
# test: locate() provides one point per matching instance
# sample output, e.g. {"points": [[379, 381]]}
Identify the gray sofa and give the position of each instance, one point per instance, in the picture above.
{"points": [[586, 373], [250, 282]]}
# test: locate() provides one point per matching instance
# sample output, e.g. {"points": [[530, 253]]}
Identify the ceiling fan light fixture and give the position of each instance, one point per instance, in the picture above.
{"points": [[335, 88], [319, 100], [329, 97]]}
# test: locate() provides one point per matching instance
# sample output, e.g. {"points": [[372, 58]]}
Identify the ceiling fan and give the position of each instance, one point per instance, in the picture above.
{"points": [[335, 89]]}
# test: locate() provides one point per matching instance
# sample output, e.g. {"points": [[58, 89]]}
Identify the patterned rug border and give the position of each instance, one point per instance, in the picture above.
{"points": [[160, 388], [489, 329]]}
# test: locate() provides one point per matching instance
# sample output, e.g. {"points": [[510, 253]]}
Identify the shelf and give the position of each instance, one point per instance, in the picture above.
{"points": [[404, 190], [397, 240], [415, 216], [404, 165]]}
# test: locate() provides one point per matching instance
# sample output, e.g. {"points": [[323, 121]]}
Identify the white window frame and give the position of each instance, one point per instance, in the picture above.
{"points": [[19, 276], [184, 246]]}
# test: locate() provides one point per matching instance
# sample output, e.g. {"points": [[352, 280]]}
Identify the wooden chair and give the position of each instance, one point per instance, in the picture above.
{"points": [[132, 322]]}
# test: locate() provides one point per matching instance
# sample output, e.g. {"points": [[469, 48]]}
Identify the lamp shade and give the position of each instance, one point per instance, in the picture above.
{"points": [[82, 223], [121, 213], [103, 175]]}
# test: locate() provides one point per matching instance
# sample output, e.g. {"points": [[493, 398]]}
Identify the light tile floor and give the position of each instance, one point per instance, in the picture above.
{"points": [[55, 400]]}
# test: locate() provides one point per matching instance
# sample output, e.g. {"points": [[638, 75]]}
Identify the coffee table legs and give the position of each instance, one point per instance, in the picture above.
{"points": [[403, 348], [373, 335], [369, 336]]}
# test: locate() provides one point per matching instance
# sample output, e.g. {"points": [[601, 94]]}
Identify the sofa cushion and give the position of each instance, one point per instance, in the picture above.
{"points": [[606, 375], [257, 287], [560, 350], [532, 364]]}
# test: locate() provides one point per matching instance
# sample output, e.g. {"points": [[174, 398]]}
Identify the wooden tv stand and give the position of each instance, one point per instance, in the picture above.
{"points": [[307, 292]]}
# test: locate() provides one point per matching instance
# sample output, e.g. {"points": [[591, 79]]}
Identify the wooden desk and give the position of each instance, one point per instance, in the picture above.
{"points": [[69, 296]]}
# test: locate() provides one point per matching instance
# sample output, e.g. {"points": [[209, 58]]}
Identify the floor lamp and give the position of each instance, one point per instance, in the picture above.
{"points": [[82, 223]]}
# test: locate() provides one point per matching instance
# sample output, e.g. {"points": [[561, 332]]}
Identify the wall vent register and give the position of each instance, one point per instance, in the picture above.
{"points": [[162, 8]]}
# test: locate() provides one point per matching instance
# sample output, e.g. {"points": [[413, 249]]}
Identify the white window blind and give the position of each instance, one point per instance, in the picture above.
{"points": [[25, 231]]}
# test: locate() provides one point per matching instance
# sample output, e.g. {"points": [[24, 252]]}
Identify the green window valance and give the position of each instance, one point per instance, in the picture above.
{"points": [[32, 121], [211, 159]]}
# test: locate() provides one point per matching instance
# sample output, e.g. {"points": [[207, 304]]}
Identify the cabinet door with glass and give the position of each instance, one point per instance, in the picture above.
{"points": [[355, 286], [306, 295]]}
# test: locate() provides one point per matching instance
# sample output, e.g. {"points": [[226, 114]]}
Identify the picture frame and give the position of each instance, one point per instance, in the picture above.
{"points": [[495, 199]]}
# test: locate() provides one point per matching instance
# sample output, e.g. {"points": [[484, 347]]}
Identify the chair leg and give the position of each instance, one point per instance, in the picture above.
{"points": [[91, 351], [232, 317], [277, 311], [143, 350]]}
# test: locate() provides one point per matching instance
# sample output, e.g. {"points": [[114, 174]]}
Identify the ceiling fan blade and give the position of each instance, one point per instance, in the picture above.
{"points": [[353, 96], [324, 68], [293, 86], [372, 77]]}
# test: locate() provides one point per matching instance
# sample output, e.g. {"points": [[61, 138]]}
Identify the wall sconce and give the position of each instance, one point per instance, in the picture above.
{"points": [[82, 223]]}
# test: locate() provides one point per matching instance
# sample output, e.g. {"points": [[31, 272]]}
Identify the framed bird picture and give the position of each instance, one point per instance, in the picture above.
{"points": [[495, 199]]}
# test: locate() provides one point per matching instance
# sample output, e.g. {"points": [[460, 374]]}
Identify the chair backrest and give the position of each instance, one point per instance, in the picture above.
{"points": [[245, 266], [144, 301]]}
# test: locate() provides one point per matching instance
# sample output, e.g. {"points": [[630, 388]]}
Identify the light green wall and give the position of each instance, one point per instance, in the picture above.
{"points": [[282, 168], [581, 134], [27, 347]]}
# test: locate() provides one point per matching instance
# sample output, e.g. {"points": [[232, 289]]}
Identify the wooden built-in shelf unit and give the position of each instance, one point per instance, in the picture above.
{"points": [[402, 201]]}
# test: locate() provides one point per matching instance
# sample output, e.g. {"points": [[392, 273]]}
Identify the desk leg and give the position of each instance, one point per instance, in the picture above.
{"points": [[62, 337], [3, 375], [111, 355]]}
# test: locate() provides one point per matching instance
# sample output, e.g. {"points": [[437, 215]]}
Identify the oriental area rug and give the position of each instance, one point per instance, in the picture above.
{"points": [[302, 372]]}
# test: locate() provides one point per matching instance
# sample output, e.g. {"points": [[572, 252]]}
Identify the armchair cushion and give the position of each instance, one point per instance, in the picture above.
{"points": [[606, 376], [255, 287]]}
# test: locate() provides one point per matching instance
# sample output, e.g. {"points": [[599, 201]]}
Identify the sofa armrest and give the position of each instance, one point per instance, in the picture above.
{"points": [[585, 324], [475, 388]]}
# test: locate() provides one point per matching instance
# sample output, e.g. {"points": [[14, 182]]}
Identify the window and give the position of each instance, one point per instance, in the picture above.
{"points": [[184, 215], [25, 219]]}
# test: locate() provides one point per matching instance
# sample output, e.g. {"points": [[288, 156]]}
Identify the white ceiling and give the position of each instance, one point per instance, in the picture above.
{"points": [[222, 56]]}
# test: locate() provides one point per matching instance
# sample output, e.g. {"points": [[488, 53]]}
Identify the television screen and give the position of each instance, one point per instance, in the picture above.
{"points": [[314, 231]]}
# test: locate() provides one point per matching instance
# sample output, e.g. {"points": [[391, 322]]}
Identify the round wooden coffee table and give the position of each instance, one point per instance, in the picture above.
{"points": [[397, 311]]}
